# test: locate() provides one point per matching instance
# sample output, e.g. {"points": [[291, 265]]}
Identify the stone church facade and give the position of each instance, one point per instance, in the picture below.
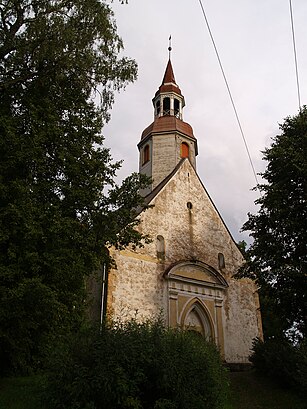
{"points": [[187, 271]]}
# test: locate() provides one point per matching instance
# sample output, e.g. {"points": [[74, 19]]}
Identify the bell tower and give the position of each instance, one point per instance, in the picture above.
{"points": [[168, 139]]}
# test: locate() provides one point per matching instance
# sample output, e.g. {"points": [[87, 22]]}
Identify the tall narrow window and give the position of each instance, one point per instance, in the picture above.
{"points": [[221, 260], [146, 154], [158, 107], [184, 150], [166, 106], [176, 108], [160, 247]]}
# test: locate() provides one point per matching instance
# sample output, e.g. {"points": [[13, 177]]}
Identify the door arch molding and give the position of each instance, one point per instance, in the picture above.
{"points": [[209, 275], [196, 307], [196, 292]]}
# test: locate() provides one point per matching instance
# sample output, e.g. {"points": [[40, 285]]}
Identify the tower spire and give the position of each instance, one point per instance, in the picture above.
{"points": [[169, 76], [168, 139]]}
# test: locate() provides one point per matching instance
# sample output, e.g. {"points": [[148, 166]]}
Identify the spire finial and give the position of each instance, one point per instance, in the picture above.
{"points": [[169, 46]]}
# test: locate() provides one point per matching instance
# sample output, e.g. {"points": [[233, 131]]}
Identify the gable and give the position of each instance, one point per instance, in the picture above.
{"points": [[184, 215]]}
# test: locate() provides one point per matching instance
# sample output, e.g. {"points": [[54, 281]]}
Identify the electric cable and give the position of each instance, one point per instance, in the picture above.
{"points": [[230, 95], [295, 57]]}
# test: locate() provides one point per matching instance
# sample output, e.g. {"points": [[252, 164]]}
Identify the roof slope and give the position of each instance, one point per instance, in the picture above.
{"points": [[169, 74], [168, 124]]}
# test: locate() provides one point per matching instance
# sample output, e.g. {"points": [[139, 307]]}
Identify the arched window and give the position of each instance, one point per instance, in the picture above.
{"points": [[145, 154], [221, 260], [160, 247], [176, 108], [166, 106], [184, 150], [158, 107]]}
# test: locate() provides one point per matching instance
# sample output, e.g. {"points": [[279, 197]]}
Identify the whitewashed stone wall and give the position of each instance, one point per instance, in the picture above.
{"points": [[165, 154], [137, 286]]}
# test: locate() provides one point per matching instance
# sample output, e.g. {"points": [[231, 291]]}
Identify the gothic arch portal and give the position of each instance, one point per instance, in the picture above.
{"points": [[196, 293], [196, 317]]}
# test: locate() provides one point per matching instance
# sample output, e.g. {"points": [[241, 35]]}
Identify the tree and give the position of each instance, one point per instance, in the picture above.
{"points": [[56, 216], [278, 254], [136, 365]]}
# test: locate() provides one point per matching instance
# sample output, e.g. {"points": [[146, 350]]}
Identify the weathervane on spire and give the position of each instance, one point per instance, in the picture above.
{"points": [[169, 46]]}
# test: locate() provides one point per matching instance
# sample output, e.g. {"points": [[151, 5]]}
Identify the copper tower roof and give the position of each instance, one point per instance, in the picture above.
{"points": [[169, 82], [168, 123], [169, 74]]}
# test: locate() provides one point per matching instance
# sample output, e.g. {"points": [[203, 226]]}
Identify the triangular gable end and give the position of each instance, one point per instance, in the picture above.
{"points": [[185, 166]]}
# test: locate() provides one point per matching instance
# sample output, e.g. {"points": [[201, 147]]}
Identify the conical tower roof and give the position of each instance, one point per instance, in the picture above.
{"points": [[168, 139], [169, 122], [169, 76], [169, 82]]}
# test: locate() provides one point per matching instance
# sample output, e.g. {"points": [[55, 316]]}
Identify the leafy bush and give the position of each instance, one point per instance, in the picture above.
{"points": [[136, 366], [283, 361]]}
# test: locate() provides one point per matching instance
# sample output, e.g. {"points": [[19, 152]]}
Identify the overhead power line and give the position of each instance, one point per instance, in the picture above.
{"points": [[295, 57], [230, 94]]}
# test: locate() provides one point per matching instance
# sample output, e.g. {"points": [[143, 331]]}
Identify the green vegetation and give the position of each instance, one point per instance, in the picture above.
{"points": [[282, 361], [135, 365], [277, 259], [21, 393], [251, 391], [248, 391], [59, 205]]}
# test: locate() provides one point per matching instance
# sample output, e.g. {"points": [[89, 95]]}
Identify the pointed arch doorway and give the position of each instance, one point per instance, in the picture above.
{"points": [[196, 293], [196, 318]]}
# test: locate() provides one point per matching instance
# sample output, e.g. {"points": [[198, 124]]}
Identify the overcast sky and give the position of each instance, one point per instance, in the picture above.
{"points": [[254, 41]]}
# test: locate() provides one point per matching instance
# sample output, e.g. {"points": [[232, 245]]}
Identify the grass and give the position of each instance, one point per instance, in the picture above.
{"points": [[248, 391], [252, 391], [20, 393]]}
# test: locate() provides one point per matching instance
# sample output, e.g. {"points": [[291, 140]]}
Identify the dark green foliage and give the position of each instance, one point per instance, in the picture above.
{"points": [[21, 392], [252, 390], [56, 59], [282, 361], [278, 255], [136, 366], [277, 259]]}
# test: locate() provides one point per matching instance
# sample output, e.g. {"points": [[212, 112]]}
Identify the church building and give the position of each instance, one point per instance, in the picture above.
{"points": [[187, 272]]}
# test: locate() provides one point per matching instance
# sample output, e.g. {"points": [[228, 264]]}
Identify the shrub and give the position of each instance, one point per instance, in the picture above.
{"points": [[284, 362], [136, 366]]}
